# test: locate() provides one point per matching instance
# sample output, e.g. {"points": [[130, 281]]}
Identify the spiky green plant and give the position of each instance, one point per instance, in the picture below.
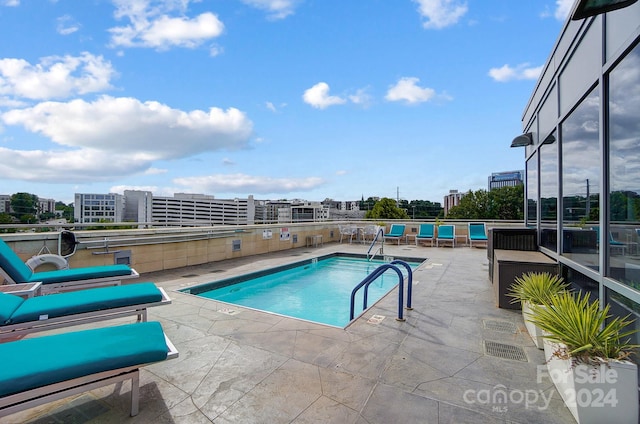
{"points": [[589, 333], [536, 288]]}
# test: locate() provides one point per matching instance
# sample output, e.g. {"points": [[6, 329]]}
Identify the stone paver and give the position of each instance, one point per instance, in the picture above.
{"points": [[255, 367]]}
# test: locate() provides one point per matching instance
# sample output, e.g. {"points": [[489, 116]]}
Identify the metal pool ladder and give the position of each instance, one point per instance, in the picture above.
{"points": [[373, 243], [377, 273]]}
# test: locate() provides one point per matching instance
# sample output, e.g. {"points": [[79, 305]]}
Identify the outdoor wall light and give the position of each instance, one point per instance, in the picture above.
{"points": [[522, 140], [549, 140], [585, 8]]}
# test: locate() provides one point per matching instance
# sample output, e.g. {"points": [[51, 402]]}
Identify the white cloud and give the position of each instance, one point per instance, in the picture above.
{"points": [[152, 25], [155, 171], [407, 90], [361, 97], [441, 13], [55, 77], [116, 137], [318, 96], [276, 9], [227, 162], [11, 3], [247, 183], [66, 25], [563, 7], [521, 72], [119, 124]]}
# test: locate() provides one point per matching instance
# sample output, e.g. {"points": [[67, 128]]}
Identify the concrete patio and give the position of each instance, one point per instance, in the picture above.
{"points": [[243, 366]]}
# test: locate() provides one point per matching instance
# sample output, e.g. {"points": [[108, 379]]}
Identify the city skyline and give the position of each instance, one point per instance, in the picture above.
{"points": [[275, 99]]}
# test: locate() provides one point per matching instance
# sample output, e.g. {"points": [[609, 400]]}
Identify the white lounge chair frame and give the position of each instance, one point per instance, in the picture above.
{"points": [[43, 395], [450, 240], [14, 330]]}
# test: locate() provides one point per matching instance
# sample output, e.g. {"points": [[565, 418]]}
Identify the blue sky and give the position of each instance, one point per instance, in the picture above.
{"points": [[279, 99]]}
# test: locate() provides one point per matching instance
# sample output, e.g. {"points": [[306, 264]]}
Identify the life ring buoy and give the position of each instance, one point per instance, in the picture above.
{"points": [[56, 260]]}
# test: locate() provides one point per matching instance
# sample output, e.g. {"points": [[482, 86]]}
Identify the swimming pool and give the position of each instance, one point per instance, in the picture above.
{"points": [[317, 290]]}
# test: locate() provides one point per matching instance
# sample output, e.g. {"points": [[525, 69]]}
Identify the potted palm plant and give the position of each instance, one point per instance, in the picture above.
{"points": [[535, 289], [588, 351]]}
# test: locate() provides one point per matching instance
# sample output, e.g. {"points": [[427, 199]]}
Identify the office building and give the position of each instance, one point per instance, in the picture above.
{"points": [[90, 207], [581, 139], [505, 179]]}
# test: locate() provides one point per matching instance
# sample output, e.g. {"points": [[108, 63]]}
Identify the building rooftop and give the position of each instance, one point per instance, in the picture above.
{"points": [[243, 366]]}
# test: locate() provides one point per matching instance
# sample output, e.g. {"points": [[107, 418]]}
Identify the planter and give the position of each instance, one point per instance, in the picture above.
{"points": [[534, 331], [602, 393]]}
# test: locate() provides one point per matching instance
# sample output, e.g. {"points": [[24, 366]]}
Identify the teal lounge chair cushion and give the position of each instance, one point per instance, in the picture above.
{"points": [[13, 265], [47, 360], [89, 300], [8, 305], [477, 232], [77, 274]]}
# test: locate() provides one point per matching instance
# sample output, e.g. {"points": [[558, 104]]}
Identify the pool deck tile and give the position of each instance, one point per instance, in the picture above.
{"points": [[238, 365]]}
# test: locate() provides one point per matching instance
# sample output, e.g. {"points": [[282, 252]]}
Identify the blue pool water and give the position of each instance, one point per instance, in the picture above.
{"points": [[314, 291]]}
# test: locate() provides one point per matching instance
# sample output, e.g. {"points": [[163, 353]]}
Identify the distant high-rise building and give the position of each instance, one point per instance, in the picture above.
{"points": [[138, 206], [91, 207], [203, 209], [452, 199], [506, 179]]}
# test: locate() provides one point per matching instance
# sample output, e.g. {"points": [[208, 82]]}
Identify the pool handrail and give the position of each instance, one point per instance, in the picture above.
{"points": [[409, 280], [375, 274], [373, 243]]}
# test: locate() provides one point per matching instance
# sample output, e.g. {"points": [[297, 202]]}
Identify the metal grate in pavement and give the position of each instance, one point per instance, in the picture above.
{"points": [[501, 326], [501, 350]]}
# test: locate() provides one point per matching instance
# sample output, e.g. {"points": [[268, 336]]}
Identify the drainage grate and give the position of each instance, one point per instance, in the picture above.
{"points": [[189, 275], [501, 326], [505, 351], [214, 271]]}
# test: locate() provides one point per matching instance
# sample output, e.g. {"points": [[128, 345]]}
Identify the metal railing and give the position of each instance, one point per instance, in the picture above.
{"points": [[373, 276], [373, 243]]}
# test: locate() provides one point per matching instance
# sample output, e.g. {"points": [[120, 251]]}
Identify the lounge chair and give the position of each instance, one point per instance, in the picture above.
{"points": [[425, 232], [613, 243], [17, 272], [40, 370], [20, 316], [477, 232], [396, 232], [446, 233]]}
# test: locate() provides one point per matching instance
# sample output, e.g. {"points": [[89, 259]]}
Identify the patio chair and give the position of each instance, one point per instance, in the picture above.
{"points": [[369, 233], [49, 368], [477, 232], [20, 316], [425, 232], [17, 272], [347, 230], [395, 232], [613, 244], [446, 233]]}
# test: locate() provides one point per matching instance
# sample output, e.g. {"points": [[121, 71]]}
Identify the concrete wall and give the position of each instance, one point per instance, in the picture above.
{"points": [[164, 249]]}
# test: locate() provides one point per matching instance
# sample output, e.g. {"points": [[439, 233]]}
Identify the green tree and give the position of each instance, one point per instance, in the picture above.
{"points": [[5, 218], [24, 204], [507, 203], [500, 203], [67, 210], [386, 208], [473, 205]]}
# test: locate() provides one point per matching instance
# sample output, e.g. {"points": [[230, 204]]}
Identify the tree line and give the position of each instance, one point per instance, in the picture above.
{"points": [[505, 203]]}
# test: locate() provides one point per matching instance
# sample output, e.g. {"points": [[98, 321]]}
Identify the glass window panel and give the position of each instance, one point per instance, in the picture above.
{"points": [[624, 169], [581, 181], [549, 194], [532, 190]]}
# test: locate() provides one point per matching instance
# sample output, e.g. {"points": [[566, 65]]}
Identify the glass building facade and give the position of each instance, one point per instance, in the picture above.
{"points": [[583, 168]]}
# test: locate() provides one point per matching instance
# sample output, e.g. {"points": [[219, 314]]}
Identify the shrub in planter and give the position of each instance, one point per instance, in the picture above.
{"points": [[535, 289], [587, 351]]}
